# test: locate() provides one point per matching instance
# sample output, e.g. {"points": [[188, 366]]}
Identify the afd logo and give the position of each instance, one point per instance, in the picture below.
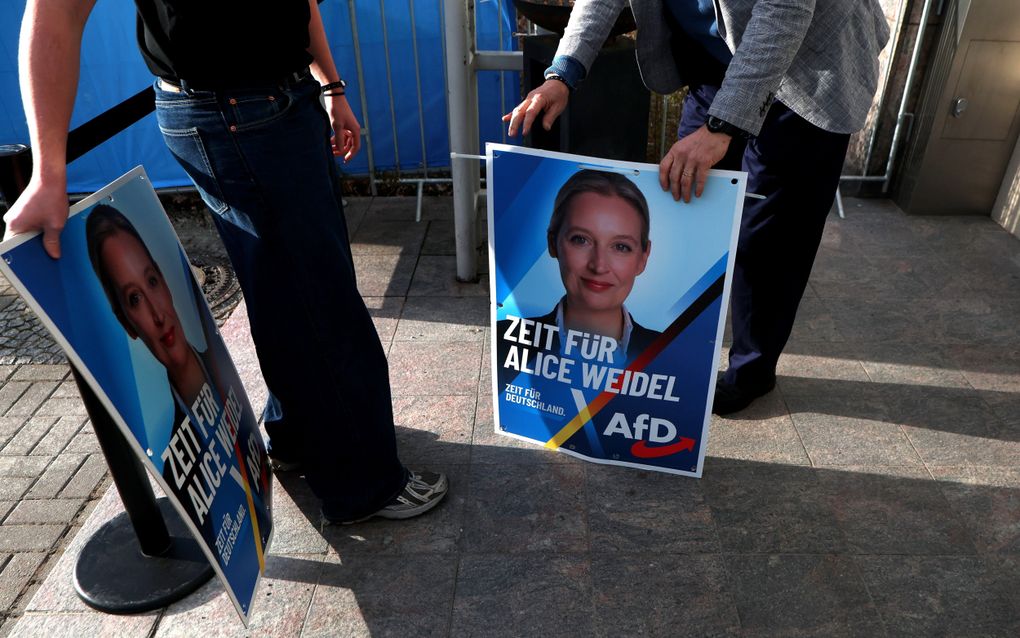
{"points": [[646, 430]]}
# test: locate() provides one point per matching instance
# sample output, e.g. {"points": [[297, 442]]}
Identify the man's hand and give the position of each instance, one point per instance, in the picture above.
{"points": [[43, 206], [687, 162], [346, 130], [551, 98]]}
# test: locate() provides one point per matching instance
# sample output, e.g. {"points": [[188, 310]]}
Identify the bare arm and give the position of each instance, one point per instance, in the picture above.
{"points": [[48, 63], [346, 130]]}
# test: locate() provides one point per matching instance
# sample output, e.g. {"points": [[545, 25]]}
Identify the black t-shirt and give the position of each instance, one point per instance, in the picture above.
{"points": [[220, 44]]}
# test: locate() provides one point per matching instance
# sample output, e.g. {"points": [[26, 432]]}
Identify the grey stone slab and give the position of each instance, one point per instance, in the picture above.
{"points": [[16, 575], [84, 442], [912, 365], [236, 333], [894, 510], [88, 476], [769, 509], [801, 595], [437, 532], [763, 432], [819, 361], [90, 623], [10, 392], [29, 538], [434, 429], [380, 237], [355, 210], [488, 446], [66, 390], [434, 368], [297, 525], [879, 278], [977, 319], [32, 398], [278, 609], [382, 596], [443, 319], [992, 368], [949, 427], [6, 371], [636, 511], [988, 499], [440, 238], [12, 488], [45, 511], [548, 594], [6, 507], [385, 313], [815, 322], [532, 509], [9, 426], [832, 439], [403, 208], [663, 595], [885, 322], [943, 595], [436, 276], [40, 372], [384, 275]]}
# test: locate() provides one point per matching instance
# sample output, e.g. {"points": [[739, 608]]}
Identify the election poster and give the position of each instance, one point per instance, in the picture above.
{"points": [[123, 303], [608, 306]]}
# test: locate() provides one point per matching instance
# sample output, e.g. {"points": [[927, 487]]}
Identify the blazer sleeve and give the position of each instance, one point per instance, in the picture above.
{"points": [[768, 45], [589, 25]]}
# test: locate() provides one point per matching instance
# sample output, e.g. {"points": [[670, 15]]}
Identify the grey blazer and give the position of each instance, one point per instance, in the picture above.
{"points": [[818, 57]]}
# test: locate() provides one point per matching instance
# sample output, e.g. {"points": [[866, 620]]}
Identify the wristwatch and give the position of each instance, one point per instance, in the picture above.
{"points": [[718, 125]]}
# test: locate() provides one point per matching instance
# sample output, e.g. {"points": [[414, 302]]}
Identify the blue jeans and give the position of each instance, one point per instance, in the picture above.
{"points": [[796, 165], [262, 161]]}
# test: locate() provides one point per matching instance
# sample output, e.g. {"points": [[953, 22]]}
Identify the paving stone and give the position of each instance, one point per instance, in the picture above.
{"points": [[833, 440], [763, 432], [490, 447], [9, 426], [434, 368], [380, 237], [32, 398], [66, 390], [39, 372], [279, 608], [524, 595], [662, 595], [944, 595], [62, 406], [636, 511], [29, 538], [23, 466], [12, 488], [84, 442], [297, 524], [60, 434], [33, 430], [56, 476], [75, 625], [88, 476], [443, 319], [988, 499], [894, 510], [801, 595], [16, 575], [6, 507], [436, 276], [516, 510], [770, 509], [45, 511], [434, 429], [372, 596], [385, 313], [6, 371], [10, 392], [384, 275]]}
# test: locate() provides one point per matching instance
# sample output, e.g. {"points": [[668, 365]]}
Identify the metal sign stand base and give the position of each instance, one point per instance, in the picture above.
{"points": [[134, 563], [113, 575]]}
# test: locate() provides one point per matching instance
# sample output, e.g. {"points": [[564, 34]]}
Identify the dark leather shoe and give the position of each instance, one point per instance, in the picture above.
{"points": [[730, 398]]}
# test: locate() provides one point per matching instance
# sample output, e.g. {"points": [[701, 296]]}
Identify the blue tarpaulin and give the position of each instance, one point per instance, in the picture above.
{"points": [[112, 71]]}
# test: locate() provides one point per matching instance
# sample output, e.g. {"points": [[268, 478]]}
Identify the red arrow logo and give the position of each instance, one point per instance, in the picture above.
{"points": [[642, 451]]}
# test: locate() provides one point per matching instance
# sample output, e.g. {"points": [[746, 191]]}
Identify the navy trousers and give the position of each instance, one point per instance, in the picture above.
{"points": [[262, 161], [796, 166]]}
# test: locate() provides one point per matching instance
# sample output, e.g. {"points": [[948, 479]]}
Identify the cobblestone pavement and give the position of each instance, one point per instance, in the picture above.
{"points": [[875, 492]]}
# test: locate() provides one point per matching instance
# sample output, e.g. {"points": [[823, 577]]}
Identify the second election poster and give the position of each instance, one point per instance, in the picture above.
{"points": [[124, 305], [608, 306]]}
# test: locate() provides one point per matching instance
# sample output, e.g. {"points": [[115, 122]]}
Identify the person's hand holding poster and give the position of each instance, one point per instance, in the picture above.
{"points": [[608, 306]]}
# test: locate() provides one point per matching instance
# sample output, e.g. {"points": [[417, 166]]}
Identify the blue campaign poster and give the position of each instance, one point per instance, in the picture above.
{"points": [[608, 306], [124, 305]]}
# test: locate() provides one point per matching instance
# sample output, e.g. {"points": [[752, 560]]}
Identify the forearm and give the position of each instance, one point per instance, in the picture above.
{"points": [[322, 65], [48, 62]]}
